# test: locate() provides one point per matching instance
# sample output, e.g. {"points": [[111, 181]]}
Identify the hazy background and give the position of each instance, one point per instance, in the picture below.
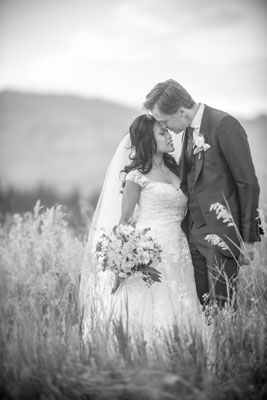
{"points": [[74, 74]]}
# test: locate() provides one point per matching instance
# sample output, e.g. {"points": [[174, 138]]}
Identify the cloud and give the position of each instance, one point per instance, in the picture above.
{"points": [[119, 49]]}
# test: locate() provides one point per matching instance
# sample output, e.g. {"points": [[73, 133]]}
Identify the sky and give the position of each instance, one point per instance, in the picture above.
{"points": [[119, 49]]}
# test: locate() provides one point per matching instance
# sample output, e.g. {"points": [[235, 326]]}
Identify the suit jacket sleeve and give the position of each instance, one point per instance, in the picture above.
{"points": [[236, 151]]}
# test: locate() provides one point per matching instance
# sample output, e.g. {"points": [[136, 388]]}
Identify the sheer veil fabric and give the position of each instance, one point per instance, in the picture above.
{"points": [[108, 208], [107, 214]]}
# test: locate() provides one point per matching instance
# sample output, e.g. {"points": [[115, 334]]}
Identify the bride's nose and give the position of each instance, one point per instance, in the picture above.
{"points": [[168, 136]]}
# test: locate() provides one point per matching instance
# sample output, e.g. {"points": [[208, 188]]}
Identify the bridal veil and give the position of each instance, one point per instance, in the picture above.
{"points": [[107, 213]]}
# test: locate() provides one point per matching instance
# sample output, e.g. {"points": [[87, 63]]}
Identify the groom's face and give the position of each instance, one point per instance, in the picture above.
{"points": [[175, 122]]}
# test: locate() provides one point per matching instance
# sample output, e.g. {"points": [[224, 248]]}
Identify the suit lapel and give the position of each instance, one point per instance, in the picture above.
{"points": [[204, 131]]}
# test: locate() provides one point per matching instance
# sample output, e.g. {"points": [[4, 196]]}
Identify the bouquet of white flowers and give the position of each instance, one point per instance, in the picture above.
{"points": [[126, 251]]}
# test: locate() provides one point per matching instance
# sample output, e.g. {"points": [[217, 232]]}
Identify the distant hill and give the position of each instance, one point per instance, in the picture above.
{"points": [[66, 142]]}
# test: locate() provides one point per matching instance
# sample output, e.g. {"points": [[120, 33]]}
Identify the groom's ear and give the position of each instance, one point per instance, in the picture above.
{"points": [[181, 111]]}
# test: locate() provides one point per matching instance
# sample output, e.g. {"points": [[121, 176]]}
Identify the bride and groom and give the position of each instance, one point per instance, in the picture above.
{"points": [[174, 200]]}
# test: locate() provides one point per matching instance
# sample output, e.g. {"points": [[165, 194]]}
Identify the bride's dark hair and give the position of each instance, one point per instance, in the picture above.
{"points": [[144, 146]]}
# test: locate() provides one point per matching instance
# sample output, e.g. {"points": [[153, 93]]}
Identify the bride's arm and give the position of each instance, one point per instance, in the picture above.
{"points": [[130, 197]]}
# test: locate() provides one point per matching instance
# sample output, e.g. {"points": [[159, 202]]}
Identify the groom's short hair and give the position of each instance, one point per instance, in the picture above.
{"points": [[169, 96]]}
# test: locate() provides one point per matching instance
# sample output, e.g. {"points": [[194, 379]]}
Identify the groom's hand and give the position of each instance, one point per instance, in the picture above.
{"points": [[247, 253]]}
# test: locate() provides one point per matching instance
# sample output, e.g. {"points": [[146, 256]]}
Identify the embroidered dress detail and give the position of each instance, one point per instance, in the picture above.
{"points": [[136, 177]]}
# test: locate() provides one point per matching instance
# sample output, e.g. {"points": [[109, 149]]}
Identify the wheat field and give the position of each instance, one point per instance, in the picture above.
{"points": [[43, 355]]}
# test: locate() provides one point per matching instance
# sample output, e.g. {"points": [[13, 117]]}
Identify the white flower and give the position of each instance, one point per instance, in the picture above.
{"points": [[145, 258], [199, 141], [127, 251], [200, 145]]}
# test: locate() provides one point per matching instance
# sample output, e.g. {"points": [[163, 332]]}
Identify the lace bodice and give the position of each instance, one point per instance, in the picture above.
{"points": [[162, 208], [160, 204]]}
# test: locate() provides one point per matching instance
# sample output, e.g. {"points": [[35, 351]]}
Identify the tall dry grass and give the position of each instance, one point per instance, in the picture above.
{"points": [[43, 355]]}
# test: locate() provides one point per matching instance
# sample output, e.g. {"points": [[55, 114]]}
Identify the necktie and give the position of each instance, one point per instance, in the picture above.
{"points": [[190, 140]]}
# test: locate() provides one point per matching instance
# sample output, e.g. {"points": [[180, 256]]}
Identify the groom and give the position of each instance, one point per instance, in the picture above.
{"points": [[215, 166]]}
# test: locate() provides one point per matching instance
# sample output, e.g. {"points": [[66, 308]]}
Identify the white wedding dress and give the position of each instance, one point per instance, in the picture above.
{"points": [[173, 300]]}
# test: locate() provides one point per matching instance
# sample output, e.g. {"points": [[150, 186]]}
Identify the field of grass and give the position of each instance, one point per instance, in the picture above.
{"points": [[43, 356]]}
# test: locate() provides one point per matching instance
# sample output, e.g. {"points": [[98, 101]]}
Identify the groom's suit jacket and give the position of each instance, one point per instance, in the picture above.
{"points": [[224, 171]]}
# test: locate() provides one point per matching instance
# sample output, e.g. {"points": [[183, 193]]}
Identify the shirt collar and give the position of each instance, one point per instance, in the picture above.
{"points": [[198, 117]]}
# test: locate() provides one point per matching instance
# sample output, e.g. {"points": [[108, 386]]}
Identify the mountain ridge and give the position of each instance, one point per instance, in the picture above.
{"points": [[66, 141]]}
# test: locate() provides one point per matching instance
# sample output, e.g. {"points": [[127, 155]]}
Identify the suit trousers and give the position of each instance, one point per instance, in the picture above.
{"points": [[215, 274]]}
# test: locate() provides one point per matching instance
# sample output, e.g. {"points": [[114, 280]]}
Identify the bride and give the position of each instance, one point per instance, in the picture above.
{"points": [[151, 198]]}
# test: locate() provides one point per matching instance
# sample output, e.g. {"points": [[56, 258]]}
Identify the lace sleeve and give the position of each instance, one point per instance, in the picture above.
{"points": [[136, 177]]}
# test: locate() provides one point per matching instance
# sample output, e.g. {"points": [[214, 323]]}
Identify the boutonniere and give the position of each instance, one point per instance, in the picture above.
{"points": [[200, 145]]}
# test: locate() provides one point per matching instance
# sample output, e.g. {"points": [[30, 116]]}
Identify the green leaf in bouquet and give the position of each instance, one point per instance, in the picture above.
{"points": [[154, 273], [145, 230]]}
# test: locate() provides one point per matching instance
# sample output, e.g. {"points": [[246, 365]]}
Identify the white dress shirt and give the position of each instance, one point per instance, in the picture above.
{"points": [[195, 124]]}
